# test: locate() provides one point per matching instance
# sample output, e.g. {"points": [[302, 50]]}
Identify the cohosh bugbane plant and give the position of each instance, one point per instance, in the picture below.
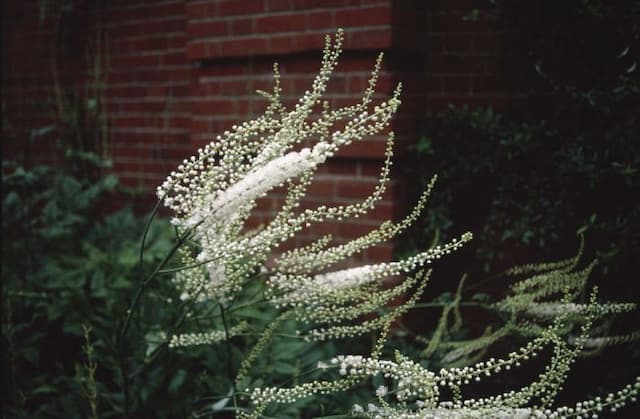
{"points": [[213, 193]]}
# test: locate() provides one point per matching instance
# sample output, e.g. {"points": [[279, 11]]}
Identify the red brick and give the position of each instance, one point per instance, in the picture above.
{"points": [[196, 50], [487, 41], [278, 45], [449, 64], [130, 121], [119, 166], [180, 73], [126, 151], [378, 39], [241, 26], [221, 69], [311, 4], [243, 47], [354, 189], [156, 167], [322, 188], [178, 90], [254, 84], [237, 8], [144, 28], [433, 85], [456, 84], [135, 61], [152, 76], [451, 4], [133, 107], [324, 19], [441, 104], [357, 84], [369, 149], [487, 84], [200, 126], [144, 11], [174, 58], [383, 211], [380, 253], [455, 22], [235, 88], [178, 122], [280, 23], [198, 10], [369, 169], [145, 44], [341, 167], [120, 77], [307, 4], [264, 205], [215, 107], [361, 16], [209, 28], [338, 83], [352, 230], [277, 5], [176, 41], [321, 229], [456, 43]]}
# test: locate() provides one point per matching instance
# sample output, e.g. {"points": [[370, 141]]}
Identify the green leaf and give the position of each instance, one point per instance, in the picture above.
{"points": [[177, 381], [45, 389]]}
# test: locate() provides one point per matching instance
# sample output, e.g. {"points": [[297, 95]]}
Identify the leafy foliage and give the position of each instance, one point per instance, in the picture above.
{"points": [[65, 266], [70, 270]]}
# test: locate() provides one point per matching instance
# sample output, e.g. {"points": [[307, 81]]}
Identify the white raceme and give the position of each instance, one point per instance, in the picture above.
{"points": [[213, 194]]}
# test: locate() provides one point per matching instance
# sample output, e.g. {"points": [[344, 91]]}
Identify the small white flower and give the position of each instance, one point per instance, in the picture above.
{"points": [[323, 365], [381, 391]]}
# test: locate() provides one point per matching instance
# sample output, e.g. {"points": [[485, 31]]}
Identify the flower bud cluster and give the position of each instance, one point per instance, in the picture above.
{"points": [[303, 288], [214, 192], [413, 381], [205, 338], [319, 257], [551, 310]]}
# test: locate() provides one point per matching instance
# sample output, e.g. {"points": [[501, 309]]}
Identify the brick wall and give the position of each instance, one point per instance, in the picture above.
{"points": [[464, 57], [179, 72]]}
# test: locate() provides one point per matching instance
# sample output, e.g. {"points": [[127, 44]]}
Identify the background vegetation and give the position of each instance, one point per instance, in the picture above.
{"points": [[563, 160], [524, 182]]}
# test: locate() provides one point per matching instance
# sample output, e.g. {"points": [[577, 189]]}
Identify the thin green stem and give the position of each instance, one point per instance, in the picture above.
{"points": [[463, 304]]}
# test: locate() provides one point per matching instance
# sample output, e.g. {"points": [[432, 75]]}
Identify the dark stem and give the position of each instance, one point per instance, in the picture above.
{"points": [[144, 236], [124, 372], [145, 282], [121, 337], [230, 372]]}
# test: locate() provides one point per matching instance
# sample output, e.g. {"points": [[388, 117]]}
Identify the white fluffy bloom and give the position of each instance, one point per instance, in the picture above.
{"points": [[259, 181], [214, 192], [554, 309]]}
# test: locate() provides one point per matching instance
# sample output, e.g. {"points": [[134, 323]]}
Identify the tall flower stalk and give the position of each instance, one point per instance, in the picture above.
{"points": [[212, 195]]}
